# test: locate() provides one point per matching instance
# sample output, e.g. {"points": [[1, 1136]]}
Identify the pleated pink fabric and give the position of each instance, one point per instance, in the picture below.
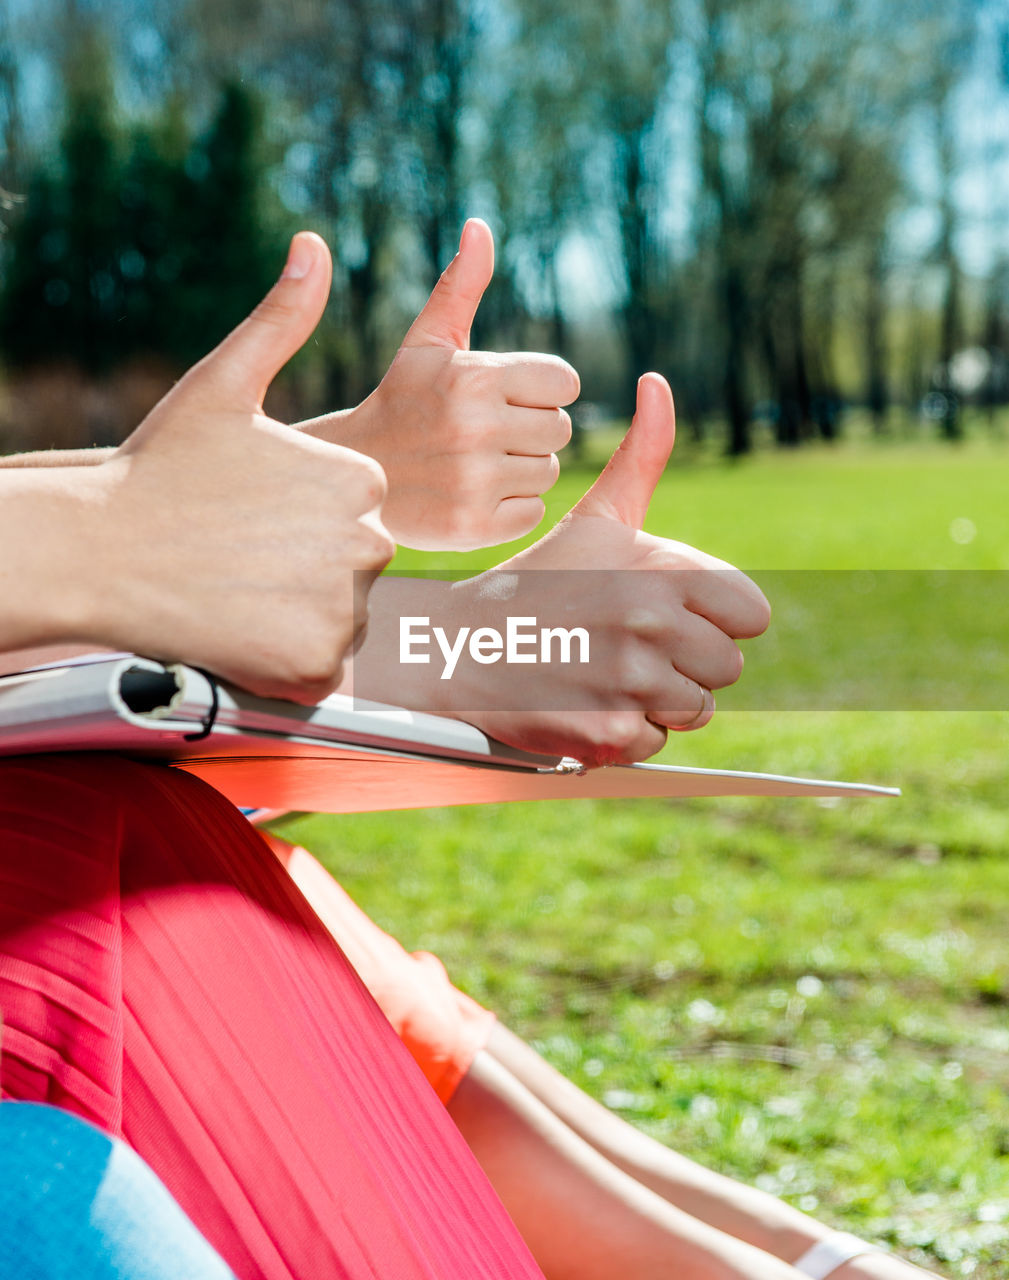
{"points": [[162, 976], [442, 1027]]}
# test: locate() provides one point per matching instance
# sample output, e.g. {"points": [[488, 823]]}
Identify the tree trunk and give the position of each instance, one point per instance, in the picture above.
{"points": [[950, 424], [736, 401], [876, 391]]}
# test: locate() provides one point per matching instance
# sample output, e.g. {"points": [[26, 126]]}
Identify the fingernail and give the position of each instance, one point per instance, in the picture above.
{"points": [[300, 258]]}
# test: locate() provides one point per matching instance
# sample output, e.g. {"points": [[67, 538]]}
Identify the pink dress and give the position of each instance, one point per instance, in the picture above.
{"points": [[162, 976]]}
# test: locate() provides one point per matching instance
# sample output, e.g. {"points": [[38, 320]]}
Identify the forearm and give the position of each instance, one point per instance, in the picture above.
{"points": [[47, 517], [56, 458], [29, 549], [346, 426]]}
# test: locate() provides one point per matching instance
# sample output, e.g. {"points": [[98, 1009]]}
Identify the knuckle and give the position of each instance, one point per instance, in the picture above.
{"points": [[755, 613], [371, 550], [317, 663], [761, 614], [647, 621], [723, 668], [619, 737], [473, 477], [616, 732], [630, 675], [650, 739], [382, 548], [563, 428], [372, 482], [475, 372]]}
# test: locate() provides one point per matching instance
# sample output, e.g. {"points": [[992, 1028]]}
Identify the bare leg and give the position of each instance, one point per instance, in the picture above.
{"points": [[741, 1210], [592, 1195], [725, 1204], [582, 1217]]}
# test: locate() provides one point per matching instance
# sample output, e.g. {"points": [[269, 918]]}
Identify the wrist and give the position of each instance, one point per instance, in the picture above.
{"points": [[378, 671], [470, 689], [347, 427], [51, 566]]}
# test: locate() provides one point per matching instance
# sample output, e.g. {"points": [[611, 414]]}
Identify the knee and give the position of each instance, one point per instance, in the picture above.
{"points": [[47, 1153], [75, 1202]]}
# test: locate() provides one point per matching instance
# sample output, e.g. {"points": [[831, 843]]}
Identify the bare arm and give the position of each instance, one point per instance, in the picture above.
{"points": [[663, 637], [49, 529], [56, 458], [591, 1193]]}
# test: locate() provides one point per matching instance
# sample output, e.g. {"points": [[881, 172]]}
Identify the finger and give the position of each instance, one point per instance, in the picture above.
{"points": [[533, 432], [515, 517], [691, 707], [703, 717], [704, 653], [521, 476], [448, 314], [650, 740], [728, 598], [625, 488], [538, 381], [242, 367], [646, 738]]}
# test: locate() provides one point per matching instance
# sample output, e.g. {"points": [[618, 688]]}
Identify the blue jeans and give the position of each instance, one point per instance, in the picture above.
{"points": [[78, 1204]]}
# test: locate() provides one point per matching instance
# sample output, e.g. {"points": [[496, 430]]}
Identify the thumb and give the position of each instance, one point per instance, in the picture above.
{"points": [[448, 314], [625, 488], [242, 367]]}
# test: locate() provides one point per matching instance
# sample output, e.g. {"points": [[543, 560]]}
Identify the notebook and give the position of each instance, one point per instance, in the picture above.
{"points": [[342, 755]]}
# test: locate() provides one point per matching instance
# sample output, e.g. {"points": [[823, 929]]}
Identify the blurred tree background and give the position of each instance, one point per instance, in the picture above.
{"points": [[792, 208]]}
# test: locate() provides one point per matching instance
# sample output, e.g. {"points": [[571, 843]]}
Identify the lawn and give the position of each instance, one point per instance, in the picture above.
{"points": [[809, 995]]}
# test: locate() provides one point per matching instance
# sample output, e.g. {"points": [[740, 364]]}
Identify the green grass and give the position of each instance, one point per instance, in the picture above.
{"points": [[810, 995]]}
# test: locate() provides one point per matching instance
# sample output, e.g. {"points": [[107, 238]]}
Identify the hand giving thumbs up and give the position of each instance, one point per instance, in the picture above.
{"points": [[663, 617], [225, 539], [468, 439]]}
